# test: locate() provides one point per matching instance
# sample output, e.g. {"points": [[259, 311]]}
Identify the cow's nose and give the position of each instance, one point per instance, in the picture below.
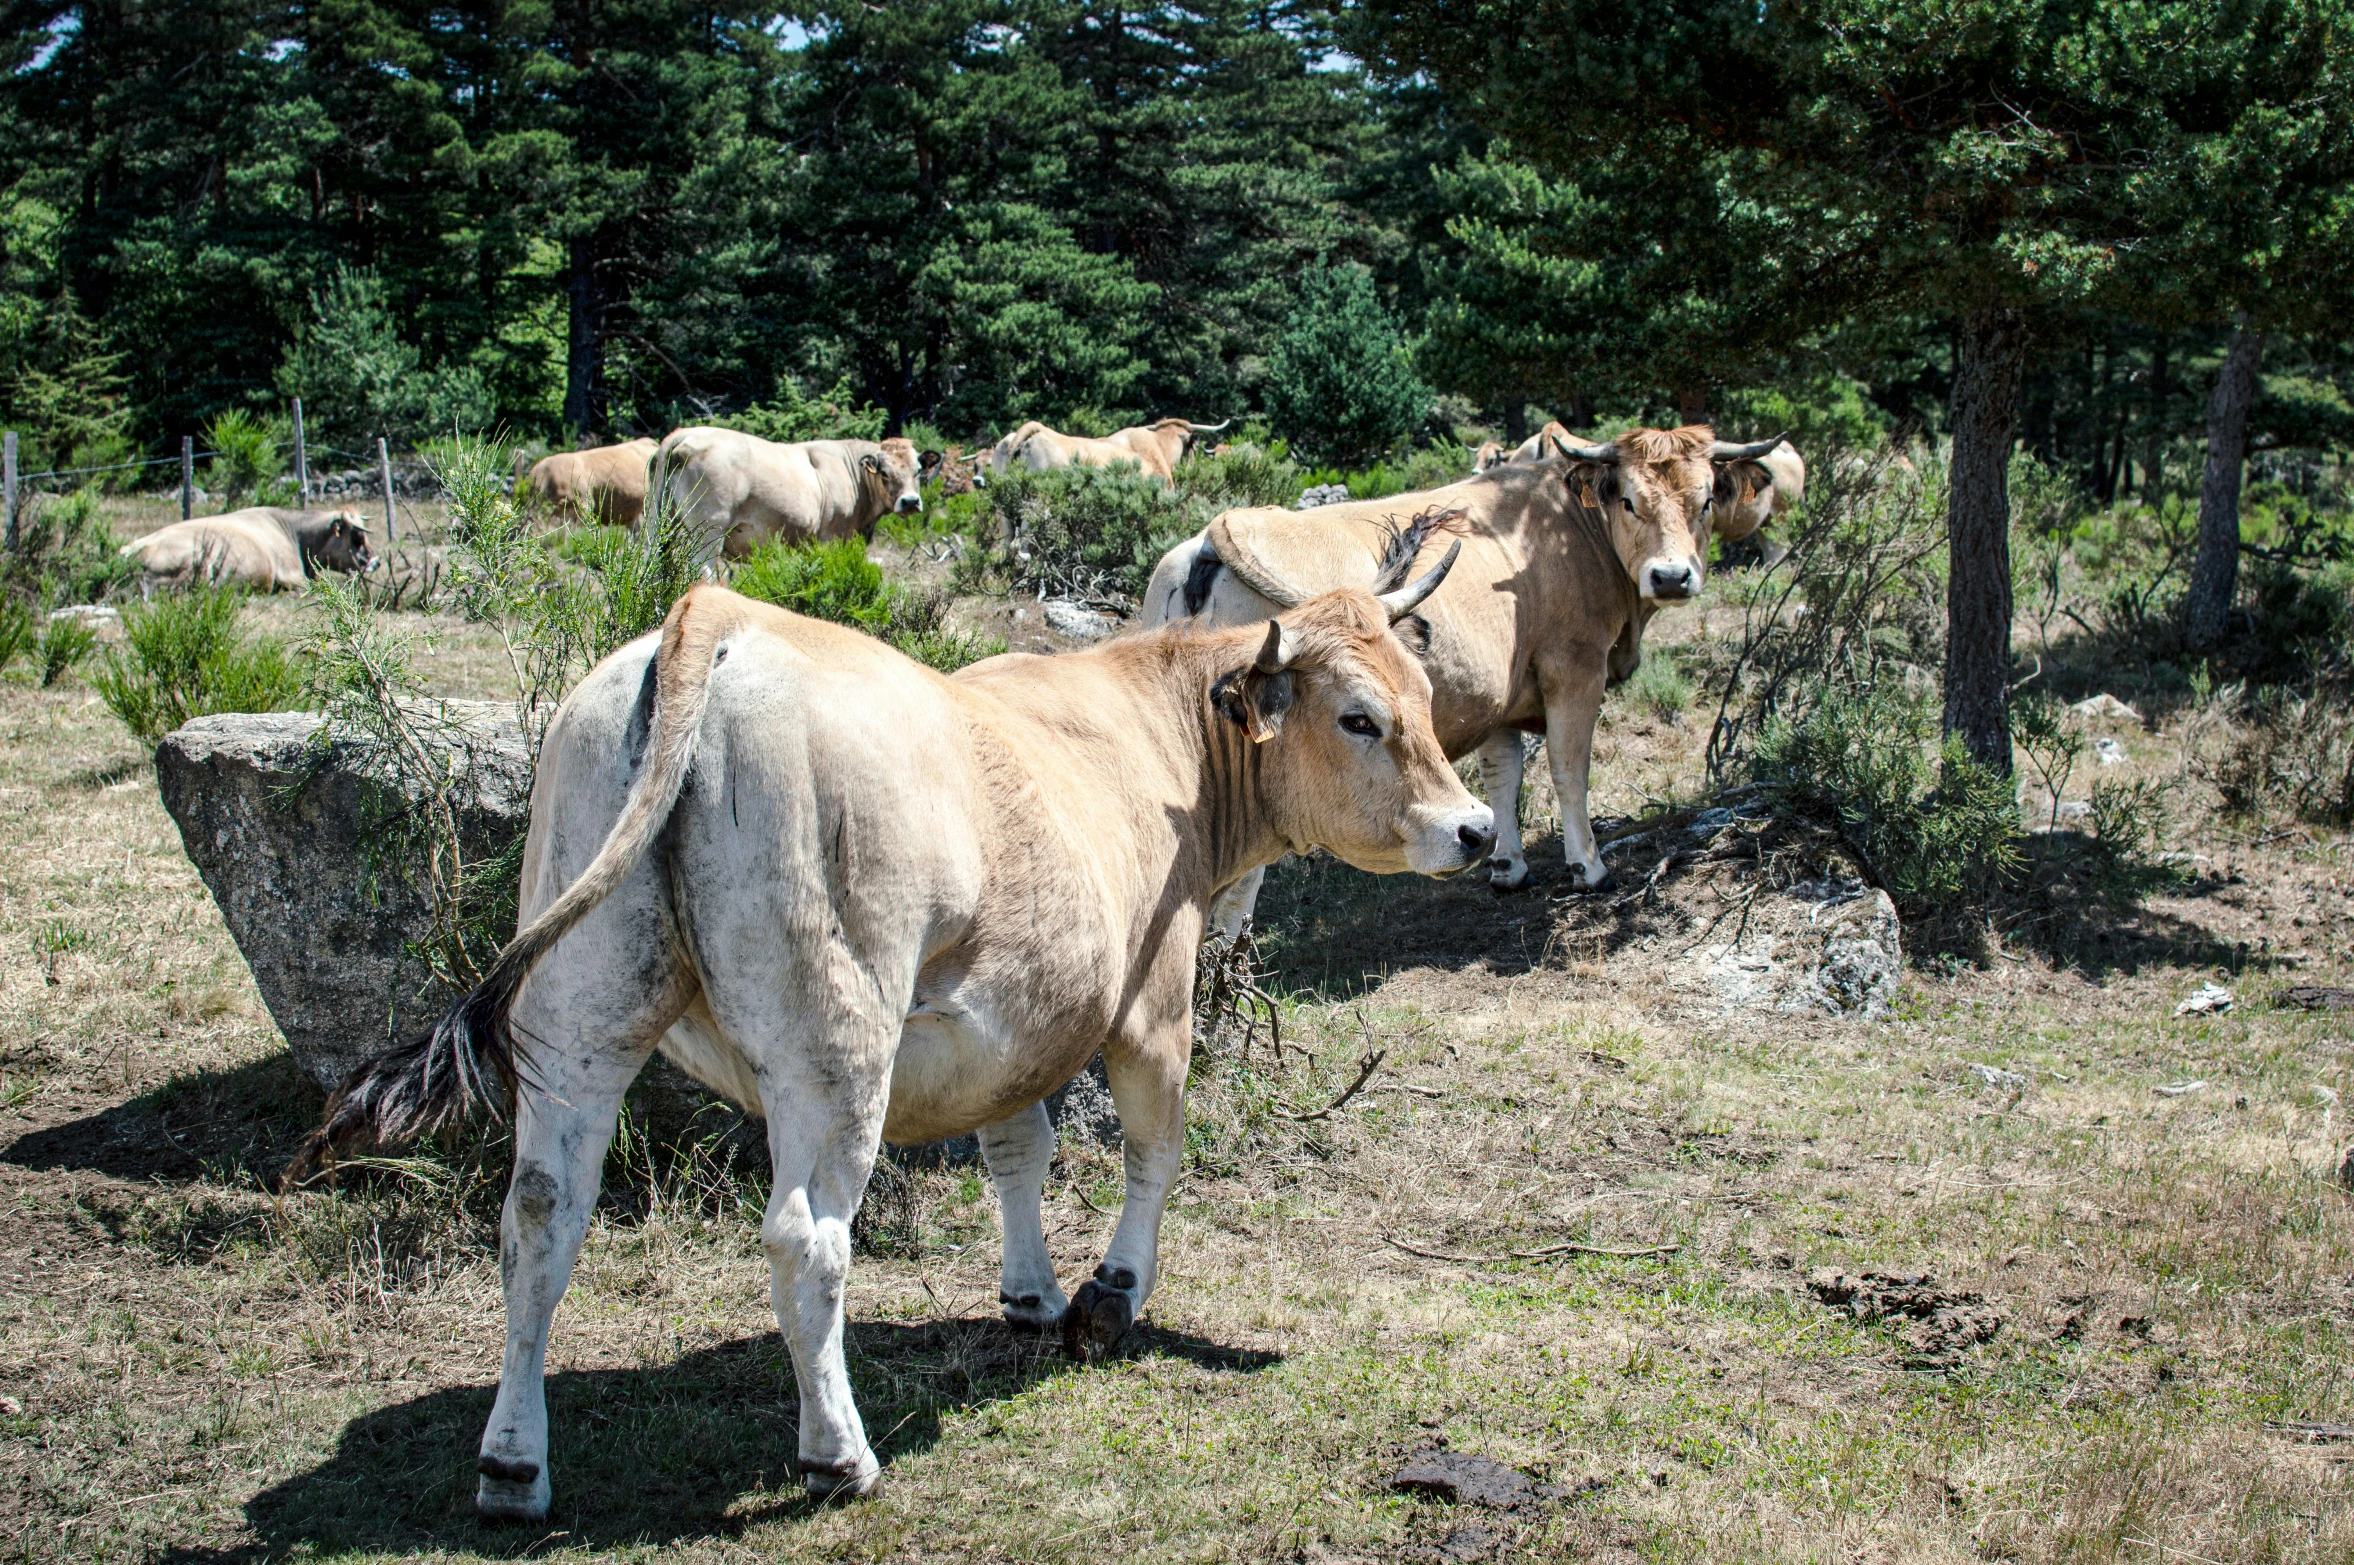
{"points": [[1671, 581], [910, 504], [1476, 841]]}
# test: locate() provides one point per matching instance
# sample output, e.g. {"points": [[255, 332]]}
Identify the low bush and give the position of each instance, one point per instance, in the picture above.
{"points": [[836, 581], [2290, 751], [1426, 467], [65, 553], [1088, 533], [245, 455], [1658, 687], [788, 415], [1931, 825], [20, 632], [185, 656], [1246, 474], [64, 645]]}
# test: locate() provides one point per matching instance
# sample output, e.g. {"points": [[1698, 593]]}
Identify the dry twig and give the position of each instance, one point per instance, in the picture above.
{"points": [[1545, 1254]]}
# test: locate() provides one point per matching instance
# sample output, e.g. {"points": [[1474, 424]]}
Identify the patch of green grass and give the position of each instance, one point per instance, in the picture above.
{"points": [[184, 656]]}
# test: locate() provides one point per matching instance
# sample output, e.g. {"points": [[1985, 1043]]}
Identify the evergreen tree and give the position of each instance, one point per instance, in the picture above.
{"points": [[1341, 384]]}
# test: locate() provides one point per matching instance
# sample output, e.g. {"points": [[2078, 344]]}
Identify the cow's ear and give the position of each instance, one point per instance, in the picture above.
{"points": [[929, 460], [873, 464], [1414, 631], [1254, 701]]}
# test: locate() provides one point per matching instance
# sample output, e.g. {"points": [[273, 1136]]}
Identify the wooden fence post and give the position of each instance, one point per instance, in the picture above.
{"points": [[302, 462], [187, 476], [384, 472], [8, 481]]}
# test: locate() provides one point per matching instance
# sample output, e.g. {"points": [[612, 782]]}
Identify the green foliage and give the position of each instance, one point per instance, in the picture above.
{"points": [[2052, 745], [1341, 383], [65, 643], [2291, 751], [61, 388], [184, 656], [1247, 474], [64, 554], [20, 632], [245, 455], [836, 581], [1426, 467], [1087, 533], [789, 416], [1865, 756], [1658, 687], [359, 377]]}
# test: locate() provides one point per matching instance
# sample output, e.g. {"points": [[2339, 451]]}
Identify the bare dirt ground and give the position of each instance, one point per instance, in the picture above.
{"points": [[2134, 1291]]}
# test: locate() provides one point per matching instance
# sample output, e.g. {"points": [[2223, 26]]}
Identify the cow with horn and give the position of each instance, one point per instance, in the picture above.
{"points": [[1154, 449], [1563, 561], [731, 859]]}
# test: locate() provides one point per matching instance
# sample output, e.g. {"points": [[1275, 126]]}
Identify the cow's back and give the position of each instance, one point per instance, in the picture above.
{"points": [[243, 548], [745, 490]]}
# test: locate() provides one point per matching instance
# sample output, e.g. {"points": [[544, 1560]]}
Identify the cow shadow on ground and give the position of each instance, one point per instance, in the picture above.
{"points": [[699, 1448]]}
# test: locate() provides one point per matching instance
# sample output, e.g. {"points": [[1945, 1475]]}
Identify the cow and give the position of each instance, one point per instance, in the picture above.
{"points": [[957, 470], [743, 491], [732, 858], [1748, 494], [605, 484], [266, 548], [1490, 454], [1563, 561], [1153, 449]]}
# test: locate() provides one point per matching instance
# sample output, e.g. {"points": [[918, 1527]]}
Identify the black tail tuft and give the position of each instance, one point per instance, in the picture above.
{"points": [[1198, 579], [1405, 543], [421, 1087]]}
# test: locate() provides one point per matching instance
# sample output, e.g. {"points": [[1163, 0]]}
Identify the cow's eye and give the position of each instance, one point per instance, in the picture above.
{"points": [[1629, 502], [1358, 723], [1707, 504]]}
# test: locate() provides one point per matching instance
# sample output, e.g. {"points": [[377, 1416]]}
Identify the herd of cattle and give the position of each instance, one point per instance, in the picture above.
{"points": [[730, 861]]}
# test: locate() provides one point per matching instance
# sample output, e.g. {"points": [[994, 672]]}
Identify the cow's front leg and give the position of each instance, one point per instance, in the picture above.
{"points": [[1573, 702], [1230, 910], [1019, 1151], [1501, 759], [1148, 1086]]}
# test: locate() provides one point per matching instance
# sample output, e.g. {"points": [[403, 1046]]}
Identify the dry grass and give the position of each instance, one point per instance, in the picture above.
{"points": [[195, 1372]]}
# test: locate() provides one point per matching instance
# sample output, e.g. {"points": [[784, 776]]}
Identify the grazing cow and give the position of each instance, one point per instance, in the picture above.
{"points": [[264, 547], [1154, 449], [735, 856], [606, 484], [1563, 560], [744, 490], [1753, 493]]}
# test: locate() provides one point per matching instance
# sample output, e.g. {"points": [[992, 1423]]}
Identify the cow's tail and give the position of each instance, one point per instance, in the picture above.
{"points": [[439, 1078], [657, 487]]}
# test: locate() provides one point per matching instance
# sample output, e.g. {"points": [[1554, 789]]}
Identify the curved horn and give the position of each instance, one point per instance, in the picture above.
{"points": [[1408, 598], [1275, 652], [1608, 453], [1208, 429], [1727, 451]]}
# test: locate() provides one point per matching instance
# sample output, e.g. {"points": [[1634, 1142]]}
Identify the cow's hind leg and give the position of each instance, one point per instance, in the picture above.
{"points": [[1501, 759], [563, 1124], [1018, 1151]]}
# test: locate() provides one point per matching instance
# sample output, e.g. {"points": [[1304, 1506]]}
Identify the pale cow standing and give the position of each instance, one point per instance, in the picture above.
{"points": [[743, 491], [1153, 449], [264, 548], [1563, 562], [735, 856]]}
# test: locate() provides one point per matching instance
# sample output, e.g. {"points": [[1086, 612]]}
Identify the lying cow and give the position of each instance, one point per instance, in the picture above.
{"points": [[265, 548], [744, 490], [1563, 560], [1153, 449], [732, 858], [605, 484]]}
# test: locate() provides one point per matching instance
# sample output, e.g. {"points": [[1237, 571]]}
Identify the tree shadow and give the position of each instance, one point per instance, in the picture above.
{"points": [[204, 1125], [700, 1448]]}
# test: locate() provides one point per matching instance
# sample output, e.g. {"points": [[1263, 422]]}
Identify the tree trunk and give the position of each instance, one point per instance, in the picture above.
{"points": [[1987, 360], [1692, 404], [2153, 460], [2216, 571], [1515, 420], [584, 349]]}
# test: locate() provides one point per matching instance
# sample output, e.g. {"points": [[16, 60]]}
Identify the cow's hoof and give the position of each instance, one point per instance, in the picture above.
{"points": [[843, 1480], [1582, 881], [510, 1491], [1504, 875], [1096, 1321], [1032, 1311]]}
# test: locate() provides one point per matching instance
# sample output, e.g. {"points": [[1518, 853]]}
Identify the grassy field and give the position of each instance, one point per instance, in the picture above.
{"points": [[191, 1370]]}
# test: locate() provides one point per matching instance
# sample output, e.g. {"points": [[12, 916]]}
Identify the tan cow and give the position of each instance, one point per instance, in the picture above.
{"points": [[1563, 561], [265, 548], [872, 902], [743, 490], [603, 484], [1153, 449], [1749, 493]]}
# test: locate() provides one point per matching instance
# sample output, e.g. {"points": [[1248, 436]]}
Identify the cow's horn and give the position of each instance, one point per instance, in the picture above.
{"points": [[1727, 451], [1408, 598], [1275, 652], [1208, 429], [1608, 453]]}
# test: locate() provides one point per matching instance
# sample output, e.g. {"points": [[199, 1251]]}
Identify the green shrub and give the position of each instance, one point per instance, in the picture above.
{"points": [[1428, 467], [1087, 533], [1864, 755], [790, 416], [64, 644], [1340, 376], [836, 581], [185, 656], [358, 378], [1247, 474], [1658, 687], [245, 455], [20, 632], [65, 553]]}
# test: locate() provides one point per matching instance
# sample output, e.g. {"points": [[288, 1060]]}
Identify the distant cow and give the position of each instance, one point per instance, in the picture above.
{"points": [[745, 490], [1153, 449], [263, 547], [606, 484]]}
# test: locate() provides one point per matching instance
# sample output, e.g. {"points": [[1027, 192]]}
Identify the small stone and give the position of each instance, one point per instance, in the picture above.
{"points": [[1077, 620], [1321, 495], [1996, 1077], [2109, 752], [2212, 999]]}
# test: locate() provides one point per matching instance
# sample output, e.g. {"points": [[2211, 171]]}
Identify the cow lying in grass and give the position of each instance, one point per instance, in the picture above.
{"points": [[872, 902], [265, 548], [1563, 561]]}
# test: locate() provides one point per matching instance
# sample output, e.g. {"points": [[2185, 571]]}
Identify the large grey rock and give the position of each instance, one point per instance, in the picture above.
{"points": [[288, 834]]}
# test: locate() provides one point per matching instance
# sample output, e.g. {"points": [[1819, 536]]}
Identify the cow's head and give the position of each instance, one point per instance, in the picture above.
{"points": [[895, 470], [1350, 762], [1744, 492], [1491, 453], [1655, 489], [1177, 437], [342, 545]]}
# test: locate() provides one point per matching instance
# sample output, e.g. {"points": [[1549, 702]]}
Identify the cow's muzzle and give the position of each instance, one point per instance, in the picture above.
{"points": [[1454, 842], [1670, 581], [911, 505]]}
